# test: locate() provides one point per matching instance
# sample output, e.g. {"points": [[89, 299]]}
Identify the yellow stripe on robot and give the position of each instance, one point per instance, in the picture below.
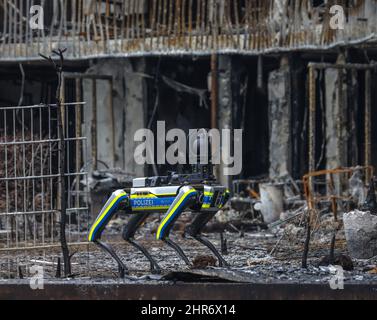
{"points": [[103, 215], [150, 208], [173, 211]]}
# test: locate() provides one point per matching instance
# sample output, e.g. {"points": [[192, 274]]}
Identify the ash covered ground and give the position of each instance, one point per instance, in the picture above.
{"points": [[259, 256]]}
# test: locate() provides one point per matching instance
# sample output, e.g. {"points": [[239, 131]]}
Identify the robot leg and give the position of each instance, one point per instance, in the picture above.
{"points": [[184, 200], [196, 227], [129, 233], [107, 212]]}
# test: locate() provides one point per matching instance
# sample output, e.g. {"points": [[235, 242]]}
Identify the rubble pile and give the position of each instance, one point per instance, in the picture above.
{"points": [[361, 234]]}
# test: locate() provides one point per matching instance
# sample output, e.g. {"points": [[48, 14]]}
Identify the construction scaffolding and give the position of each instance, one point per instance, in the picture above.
{"points": [[98, 28], [30, 200]]}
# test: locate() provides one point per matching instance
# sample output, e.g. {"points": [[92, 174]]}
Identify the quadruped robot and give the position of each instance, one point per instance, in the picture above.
{"points": [[197, 192]]}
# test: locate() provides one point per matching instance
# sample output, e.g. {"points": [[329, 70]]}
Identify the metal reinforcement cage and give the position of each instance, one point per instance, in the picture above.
{"points": [[95, 28], [30, 197]]}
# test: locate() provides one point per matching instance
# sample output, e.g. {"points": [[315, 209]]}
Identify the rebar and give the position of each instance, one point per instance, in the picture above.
{"points": [[128, 27]]}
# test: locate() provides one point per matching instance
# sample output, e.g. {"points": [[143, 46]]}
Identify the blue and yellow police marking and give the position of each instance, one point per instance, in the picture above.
{"points": [[176, 209], [225, 198], [207, 200], [151, 202], [108, 210]]}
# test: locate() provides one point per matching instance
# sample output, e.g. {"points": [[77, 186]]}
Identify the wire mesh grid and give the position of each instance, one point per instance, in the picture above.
{"points": [[30, 194]]}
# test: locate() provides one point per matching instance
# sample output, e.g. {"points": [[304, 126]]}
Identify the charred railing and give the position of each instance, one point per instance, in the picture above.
{"points": [[90, 28]]}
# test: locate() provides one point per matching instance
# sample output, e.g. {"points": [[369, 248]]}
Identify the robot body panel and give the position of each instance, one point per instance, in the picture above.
{"points": [[153, 199], [160, 199]]}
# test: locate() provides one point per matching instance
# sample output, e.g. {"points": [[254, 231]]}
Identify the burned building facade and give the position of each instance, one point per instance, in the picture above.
{"points": [[226, 64]]}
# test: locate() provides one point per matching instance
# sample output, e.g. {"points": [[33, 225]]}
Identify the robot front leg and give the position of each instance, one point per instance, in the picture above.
{"points": [[194, 230], [129, 233], [196, 227], [184, 200], [107, 212], [121, 267]]}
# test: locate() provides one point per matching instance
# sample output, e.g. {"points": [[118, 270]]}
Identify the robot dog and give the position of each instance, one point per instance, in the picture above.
{"points": [[197, 192]]}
